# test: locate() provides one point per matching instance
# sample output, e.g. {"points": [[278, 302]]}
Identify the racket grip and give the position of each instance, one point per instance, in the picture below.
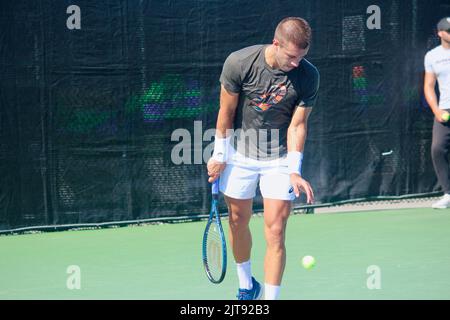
{"points": [[215, 187]]}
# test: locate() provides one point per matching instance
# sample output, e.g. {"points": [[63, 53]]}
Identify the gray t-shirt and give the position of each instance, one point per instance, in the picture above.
{"points": [[437, 61], [267, 100]]}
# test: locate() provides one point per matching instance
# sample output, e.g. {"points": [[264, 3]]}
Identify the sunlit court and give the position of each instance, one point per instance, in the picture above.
{"points": [[389, 254]]}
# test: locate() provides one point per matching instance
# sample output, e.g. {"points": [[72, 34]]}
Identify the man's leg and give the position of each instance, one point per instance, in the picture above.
{"points": [[240, 212], [276, 213], [439, 154], [238, 185]]}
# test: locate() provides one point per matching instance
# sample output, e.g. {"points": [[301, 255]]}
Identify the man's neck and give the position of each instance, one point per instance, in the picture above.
{"points": [[445, 44], [269, 55]]}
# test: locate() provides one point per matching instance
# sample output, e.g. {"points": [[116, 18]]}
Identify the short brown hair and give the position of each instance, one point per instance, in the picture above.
{"points": [[294, 30]]}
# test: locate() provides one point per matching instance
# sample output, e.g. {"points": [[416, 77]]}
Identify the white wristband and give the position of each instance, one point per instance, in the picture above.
{"points": [[294, 160], [221, 145]]}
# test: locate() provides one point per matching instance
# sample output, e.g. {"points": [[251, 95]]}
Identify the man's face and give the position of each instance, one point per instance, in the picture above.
{"points": [[288, 56], [444, 35]]}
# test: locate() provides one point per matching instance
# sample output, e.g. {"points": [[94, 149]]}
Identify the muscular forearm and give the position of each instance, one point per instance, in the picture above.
{"points": [[296, 137], [225, 118], [430, 96], [224, 122]]}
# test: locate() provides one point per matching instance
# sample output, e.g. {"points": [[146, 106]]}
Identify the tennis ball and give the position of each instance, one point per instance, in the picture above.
{"points": [[445, 116], [308, 262]]}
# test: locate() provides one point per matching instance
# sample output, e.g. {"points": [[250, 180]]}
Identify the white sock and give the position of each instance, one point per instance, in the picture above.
{"points": [[271, 292], [244, 271]]}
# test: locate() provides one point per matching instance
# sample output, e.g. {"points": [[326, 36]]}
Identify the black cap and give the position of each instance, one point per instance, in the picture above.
{"points": [[444, 24]]}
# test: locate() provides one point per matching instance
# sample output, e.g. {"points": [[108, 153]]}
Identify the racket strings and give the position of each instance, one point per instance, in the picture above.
{"points": [[214, 255]]}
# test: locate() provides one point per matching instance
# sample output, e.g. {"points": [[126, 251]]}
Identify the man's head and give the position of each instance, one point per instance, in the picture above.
{"points": [[443, 28], [292, 40]]}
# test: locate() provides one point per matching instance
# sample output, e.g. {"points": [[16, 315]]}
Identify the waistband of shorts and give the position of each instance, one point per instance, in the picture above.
{"points": [[237, 158]]}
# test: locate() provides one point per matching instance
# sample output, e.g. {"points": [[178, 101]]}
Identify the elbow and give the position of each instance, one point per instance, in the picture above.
{"points": [[297, 130], [227, 113], [428, 92], [303, 127]]}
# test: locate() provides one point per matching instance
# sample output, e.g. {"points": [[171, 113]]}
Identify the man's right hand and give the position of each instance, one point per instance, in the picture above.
{"points": [[215, 168], [439, 114]]}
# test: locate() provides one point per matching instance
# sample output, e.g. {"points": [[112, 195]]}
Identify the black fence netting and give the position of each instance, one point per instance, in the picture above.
{"points": [[95, 101]]}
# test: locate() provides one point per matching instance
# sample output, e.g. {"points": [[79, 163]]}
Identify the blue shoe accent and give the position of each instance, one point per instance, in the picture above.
{"points": [[254, 293]]}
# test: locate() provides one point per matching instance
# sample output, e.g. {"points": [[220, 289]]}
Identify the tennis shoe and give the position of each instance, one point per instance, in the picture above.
{"points": [[443, 203], [255, 293]]}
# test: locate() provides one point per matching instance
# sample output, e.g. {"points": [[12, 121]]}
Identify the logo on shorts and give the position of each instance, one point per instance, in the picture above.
{"points": [[291, 189]]}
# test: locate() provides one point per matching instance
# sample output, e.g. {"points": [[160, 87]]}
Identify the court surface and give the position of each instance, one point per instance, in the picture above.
{"points": [[406, 251]]}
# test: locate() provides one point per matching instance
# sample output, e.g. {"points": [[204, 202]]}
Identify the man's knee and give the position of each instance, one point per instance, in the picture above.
{"points": [[238, 221], [239, 212], [275, 234]]}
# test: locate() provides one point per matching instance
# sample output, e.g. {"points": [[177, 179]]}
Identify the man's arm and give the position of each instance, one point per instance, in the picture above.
{"points": [[430, 94], [225, 119], [227, 111], [296, 137], [298, 129]]}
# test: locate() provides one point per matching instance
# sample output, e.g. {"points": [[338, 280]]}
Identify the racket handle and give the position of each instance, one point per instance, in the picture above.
{"points": [[215, 187]]}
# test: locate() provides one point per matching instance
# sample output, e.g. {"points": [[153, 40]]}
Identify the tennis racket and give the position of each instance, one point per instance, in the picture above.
{"points": [[214, 245]]}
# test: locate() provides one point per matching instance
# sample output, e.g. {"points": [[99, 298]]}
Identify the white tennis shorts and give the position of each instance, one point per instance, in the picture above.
{"points": [[241, 176]]}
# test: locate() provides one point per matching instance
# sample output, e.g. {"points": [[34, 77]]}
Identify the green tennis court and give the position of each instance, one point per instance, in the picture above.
{"points": [[409, 248]]}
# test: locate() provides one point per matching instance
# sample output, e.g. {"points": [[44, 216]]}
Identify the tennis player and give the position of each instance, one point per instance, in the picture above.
{"points": [[437, 67], [267, 93]]}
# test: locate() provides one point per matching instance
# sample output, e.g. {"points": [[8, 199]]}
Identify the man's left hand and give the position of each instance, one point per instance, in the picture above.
{"points": [[301, 185]]}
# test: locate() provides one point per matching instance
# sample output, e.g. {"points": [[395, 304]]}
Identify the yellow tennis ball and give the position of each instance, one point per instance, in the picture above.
{"points": [[445, 116], [308, 262]]}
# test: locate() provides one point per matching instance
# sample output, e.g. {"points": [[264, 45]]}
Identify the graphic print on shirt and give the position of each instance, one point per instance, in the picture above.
{"points": [[275, 94]]}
